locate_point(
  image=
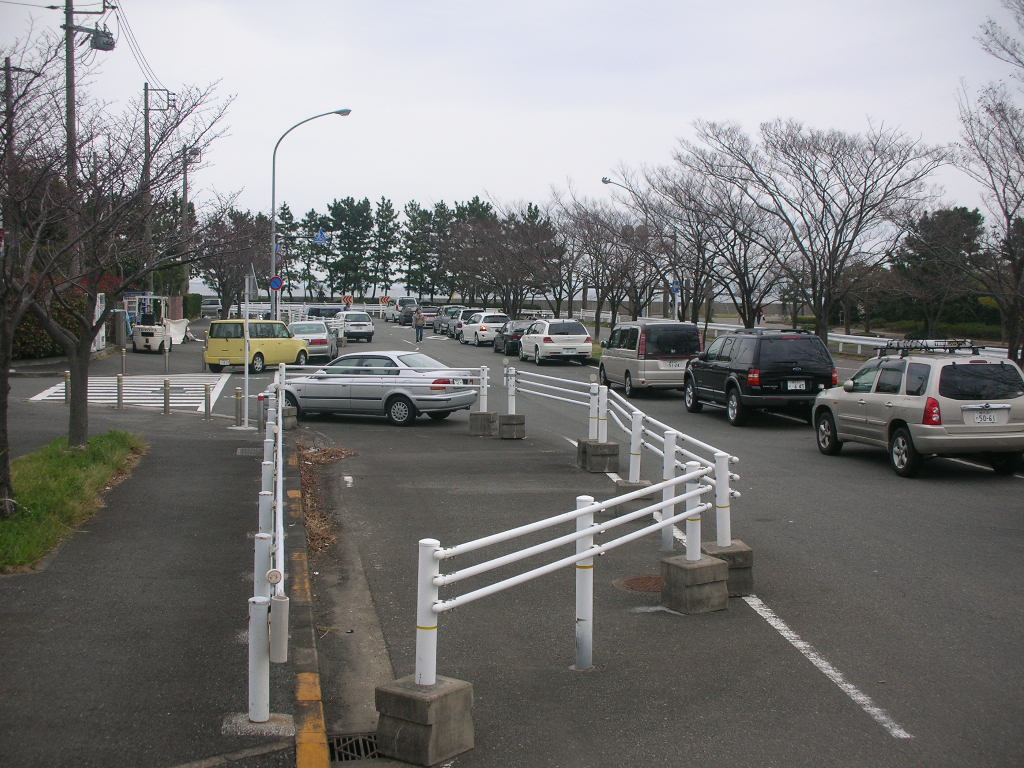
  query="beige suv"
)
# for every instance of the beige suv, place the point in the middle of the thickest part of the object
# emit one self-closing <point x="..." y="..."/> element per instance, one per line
<point x="270" y="343"/>
<point x="648" y="353"/>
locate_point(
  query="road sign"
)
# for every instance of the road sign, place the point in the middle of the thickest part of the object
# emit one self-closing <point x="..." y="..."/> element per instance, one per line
<point x="276" y="283"/>
<point x="385" y="299"/>
<point x="321" y="237"/>
<point x="348" y="299"/>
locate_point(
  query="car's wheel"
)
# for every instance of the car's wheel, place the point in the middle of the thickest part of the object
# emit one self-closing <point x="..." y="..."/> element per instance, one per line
<point x="301" y="358"/>
<point x="476" y="339"/>
<point x="160" y="349"/>
<point x="439" y="415"/>
<point x="290" y="399"/>
<point x="1006" y="463"/>
<point x="583" y="359"/>
<point x="627" y="386"/>
<point x="825" y="433"/>
<point x="401" y="411"/>
<point x="258" y="364"/>
<point x="214" y="368"/>
<point x="461" y="338"/>
<point x="903" y="456"/>
<point x="734" y="409"/>
<point x="693" y="405"/>
<point x="602" y="376"/>
<point x="522" y="353"/>
<point x="494" y="347"/>
<point x="536" y="356"/>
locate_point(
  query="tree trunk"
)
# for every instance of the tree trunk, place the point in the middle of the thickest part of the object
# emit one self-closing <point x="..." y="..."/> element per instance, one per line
<point x="6" y="490"/>
<point x="78" y="412"/>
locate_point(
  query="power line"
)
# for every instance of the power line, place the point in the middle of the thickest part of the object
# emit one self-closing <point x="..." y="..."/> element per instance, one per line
<point x="133" y="44"/>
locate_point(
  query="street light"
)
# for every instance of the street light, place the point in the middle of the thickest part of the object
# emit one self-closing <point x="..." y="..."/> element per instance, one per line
<point x="275" y="306"/>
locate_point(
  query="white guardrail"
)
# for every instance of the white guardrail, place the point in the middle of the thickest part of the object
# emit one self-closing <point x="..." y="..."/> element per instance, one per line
<point x="682" y="465"/>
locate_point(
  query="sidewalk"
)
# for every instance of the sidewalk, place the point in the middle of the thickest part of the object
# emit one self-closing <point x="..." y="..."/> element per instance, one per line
<point x="127" y="647"/>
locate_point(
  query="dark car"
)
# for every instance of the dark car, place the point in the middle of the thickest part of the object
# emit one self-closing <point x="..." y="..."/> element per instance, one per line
<point x="772" y="369"/>
<point x="507" y="339"/>
<point x="405" y="314"/>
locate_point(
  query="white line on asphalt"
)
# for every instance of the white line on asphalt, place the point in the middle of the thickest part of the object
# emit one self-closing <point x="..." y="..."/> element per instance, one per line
<point x="862" y="699"/>
<point x="977" y="465"/>
<point x="349" y="481"/>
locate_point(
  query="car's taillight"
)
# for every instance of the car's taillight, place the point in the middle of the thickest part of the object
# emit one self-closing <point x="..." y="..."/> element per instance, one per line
<point x="589" y="340"/>
<point x="835" y="378"/>
<point x="318" y="341"/>
<point x="642" y="350"/>
<point x="754" y="377"/>
<point x="932" y="413"/>
<point x="547" y="340"/>
<point x="483" y="327"/>
<point x="438" y="382"/>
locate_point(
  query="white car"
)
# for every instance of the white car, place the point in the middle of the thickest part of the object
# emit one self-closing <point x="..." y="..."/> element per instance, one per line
<point x="398" y="384"/>
<point x="481" y="328"/>
<point x="354" y="325"/>
<point x="556" y="340"/>
<point x="323" y="341"/>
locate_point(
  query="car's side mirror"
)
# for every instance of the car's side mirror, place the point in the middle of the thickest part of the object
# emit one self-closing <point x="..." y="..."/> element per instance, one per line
<point x="702" y="356"/>
<point x="604" y="344"/>
<point x="848" y="385"/>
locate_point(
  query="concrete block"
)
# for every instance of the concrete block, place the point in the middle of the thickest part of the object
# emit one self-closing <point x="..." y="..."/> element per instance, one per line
<point x="697" y="586"/>
<point x="424" y="724"/>
<point x="482" y="423"/>
<point x="623" y="487"/>
<point x="511" y="426"/>
<point x="594" y="456"/>
<point x="741" y="565"/>
<point x="289" y="417"/>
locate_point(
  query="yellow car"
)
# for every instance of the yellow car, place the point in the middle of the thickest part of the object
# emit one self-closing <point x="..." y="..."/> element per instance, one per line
<point x="270" y="343"/>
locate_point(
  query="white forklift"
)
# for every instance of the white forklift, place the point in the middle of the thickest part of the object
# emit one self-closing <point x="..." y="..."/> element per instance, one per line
<point x="152" y="330"/>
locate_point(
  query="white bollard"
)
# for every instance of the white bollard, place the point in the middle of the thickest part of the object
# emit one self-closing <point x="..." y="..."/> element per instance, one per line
<point x="268" y="476"/>
<point x="692" y="523"/>
<point x="279" y="629"/>
<point x="584" y="589"/>
<point x="484" y="383"/>
<point x="602" y="414"/>
<point x="668" y="471"/>
<point x="426" y="619"/>
<point x="510" y="377"/>
<point x="636" y="434"/>
<point x="594" y="406"/>
<point x="259" y="660"/>
<point x="262" y="562"/>
<point x="266" y="511"/>
<point x="723" y="511"/>
<point x="268" y="449"/>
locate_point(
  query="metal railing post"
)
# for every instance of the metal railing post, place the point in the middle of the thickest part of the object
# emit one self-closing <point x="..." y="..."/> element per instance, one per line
<point x="238" y="406"/>
<point x="484" y="373"/>
<point x="723" y="510"/>
<point x="207" y="402"/>
<point x="668" y="471"/>
<point x="510" y="378"/>
<point x="267" y="476"/>
<point x="266" y="511"/>
<point x="260" y="414"/>
<point x="268" y="448"/>
<point x="261" y="564"/>
<point x="584" y="589"/>
<point x="279" y="629"/>
<point x="124" y="360"/>
<point x="636" y="436"/>
<point x="259" y="660"/>
<point x="602" y="414"/>
<point x="120" y="392"/>
<point x="593" y="431"/>
<point x="692" y="523"/>
<point x="167" y="396"/>
<point x="426" y="619"/>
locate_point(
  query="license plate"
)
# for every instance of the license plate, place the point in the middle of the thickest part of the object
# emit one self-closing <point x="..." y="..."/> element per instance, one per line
<point x="676" y="364"/>
<point x="794" y="385"/>
<point x="568" y="351"/>
<point x="458" y="381"/>
<point x="225" y="362"/>
<point x="985" y="418"/>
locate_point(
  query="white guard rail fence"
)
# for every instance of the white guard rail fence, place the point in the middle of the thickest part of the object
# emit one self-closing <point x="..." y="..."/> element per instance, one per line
<point x="268" y="607"/>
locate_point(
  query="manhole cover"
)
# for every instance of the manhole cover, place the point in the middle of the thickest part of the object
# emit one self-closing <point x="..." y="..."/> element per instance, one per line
<point x="642" y="584"/>
<point x="353" y="747"/>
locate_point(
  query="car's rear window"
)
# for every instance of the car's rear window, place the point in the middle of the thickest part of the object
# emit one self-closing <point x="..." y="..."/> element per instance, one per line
<point x="419" y="360"/>
<point x="357" y="317"/>
<point x="226" y="331"/>
<point x="981" y="381"/>
<point x="672" y="341"/>
<point x="495" y="319"/>
<point x="308" y="328"/>
<point x="800" y="350"/>
<point x="567" y="329"/>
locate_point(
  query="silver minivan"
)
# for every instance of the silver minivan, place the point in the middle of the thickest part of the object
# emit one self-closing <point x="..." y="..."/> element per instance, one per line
<point x="648" y="353"/>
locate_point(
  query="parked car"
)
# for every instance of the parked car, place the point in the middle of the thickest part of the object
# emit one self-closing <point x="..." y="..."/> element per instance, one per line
<point x="457" y="320"/>
<point x="506" y="340"/>
<point x="405" y="315"/>
<point x="355" y="325"/>
<point x="397" y="384"/>
<point x="270" y="343"/>
<point x="481" y="328"/>
<point x="920" y="399"/>
<point x="429" y="313"/>
<point x="444" y="315"/>
<point x="393" y="309"/>
<point x="322" y="341"/>
<point x="648" y="353"/>
<point x="556" y="340"/>
<point x="773" y="369"/>
<point x="210" y="307"/>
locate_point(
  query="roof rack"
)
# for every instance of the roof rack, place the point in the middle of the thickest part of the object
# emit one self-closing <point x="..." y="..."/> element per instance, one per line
<point x="904" y="346"/>
<point x="772" y="330"/>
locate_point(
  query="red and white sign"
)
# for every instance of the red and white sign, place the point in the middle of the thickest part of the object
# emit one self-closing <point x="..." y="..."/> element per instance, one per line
<point x="348" y="299"/>
<point x="385" y="299"/>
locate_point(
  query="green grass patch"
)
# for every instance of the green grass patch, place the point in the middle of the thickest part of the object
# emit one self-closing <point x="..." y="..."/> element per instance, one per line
<point x="56" y="490"/>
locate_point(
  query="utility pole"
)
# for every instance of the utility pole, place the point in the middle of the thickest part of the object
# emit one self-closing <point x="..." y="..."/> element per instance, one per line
<point x="147" y="195"/>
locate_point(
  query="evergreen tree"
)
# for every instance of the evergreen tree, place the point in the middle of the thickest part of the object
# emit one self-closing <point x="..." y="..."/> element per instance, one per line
<point x="311" y="254"/>
<point x="287" y="229"/>
<point x="384" y="248"/>
<point x="352" y="226"/>
<point x="416" y="247"/>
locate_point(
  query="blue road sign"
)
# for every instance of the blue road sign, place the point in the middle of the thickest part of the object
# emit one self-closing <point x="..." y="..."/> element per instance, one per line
<point x="321" y="237"/>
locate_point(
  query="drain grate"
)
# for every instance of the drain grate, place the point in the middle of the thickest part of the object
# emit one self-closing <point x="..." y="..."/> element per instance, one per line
<point x="648" y="584"/>
<point x="248" y="452"/>
<point x="361" y="746"/>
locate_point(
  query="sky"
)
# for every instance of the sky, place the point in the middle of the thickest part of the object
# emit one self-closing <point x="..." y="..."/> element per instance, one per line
<point x="514" y="100"/>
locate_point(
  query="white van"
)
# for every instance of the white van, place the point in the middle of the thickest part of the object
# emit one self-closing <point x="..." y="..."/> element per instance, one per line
<point x="648" y="353"/>
<point x="393" y="310"/>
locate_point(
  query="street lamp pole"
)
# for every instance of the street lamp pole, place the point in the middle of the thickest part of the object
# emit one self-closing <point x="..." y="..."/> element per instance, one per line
<point x="275" y="305"/>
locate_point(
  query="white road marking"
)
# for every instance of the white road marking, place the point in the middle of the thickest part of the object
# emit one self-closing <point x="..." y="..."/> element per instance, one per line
<point x="148" y="391"/>
<point x="859" y="697"/>
<point x="976" y="465"/>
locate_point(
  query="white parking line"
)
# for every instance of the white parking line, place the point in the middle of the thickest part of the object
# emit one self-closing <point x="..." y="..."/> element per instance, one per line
<point x="862" y="699"/>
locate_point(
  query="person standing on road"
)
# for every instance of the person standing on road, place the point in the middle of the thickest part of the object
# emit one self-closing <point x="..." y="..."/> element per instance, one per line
<point x="418" y="322"/>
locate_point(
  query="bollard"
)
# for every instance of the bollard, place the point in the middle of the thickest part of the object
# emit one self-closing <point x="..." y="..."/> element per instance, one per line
<point x="262" y="563"/>
<point x="259" y="660"/>
<point x="167" y="396"/>
<point x="602" y="414"/>
<point x="266" y="511"/>
<point x="584" y="589"/>
<point x="426" y="619"/>
<point x="124" y="359"/>
<point x="668" y="471"/>
<point x="261" y="414"/>
<point x="238" y="406"/>
<point x="268" y="449"/>
<point x="268" y="476"/>
<point x="279" y="629"/>
<point x="723" y="512"/>
<point x="207" y="402"/>
<point x="67" y="387"/>
<point x="167" y="357"/>
<point x="636" y="434"/>
<point x="593" y="432"/>
<point x="120" y="392"/>
<point x="510" y="377"/>
<point x="483" y="387"/>
<point x="692" y="523"/>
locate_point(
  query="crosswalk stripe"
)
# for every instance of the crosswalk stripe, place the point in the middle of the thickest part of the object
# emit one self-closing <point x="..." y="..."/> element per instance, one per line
<point x="187" y="389"/>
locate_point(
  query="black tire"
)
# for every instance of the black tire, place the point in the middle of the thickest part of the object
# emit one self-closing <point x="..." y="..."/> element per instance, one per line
<point x="494" y="347"/>
<point x="439" y="415"/>
<point x="302" y="358"/>
<point x="825" y="433"/>
<point x="476" y="339"/>
<point x="369" y="338"/>
<point x="258" y="363"/>
<point x="160" y="349"/>
<point x="602" y="376"/>
<point x="214" y="368"/>
<point x="401" y="412"/>
<point x="903" y="456"/>
<point x="536" y="356"/>
<point x="1006" y="463"/>
<point x="522" y="355"/>
<point x="583" y="359"/>
<point x="134" y="348"/>
<point x="290" y="399"/>
<point x="461" y="338"/>
<point x="627" y="386"/>
<point x="734" y="409"/>
<point x="693" y="405"/>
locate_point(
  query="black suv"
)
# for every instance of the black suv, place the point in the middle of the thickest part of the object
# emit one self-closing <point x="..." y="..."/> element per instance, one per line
<point x="767" y="368"/>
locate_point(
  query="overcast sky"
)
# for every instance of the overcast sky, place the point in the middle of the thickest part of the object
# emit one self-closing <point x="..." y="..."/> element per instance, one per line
<point x="454" y="98"/>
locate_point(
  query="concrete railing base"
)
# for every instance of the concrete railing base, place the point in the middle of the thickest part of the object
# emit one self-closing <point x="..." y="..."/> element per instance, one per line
<point x="424" y="724"/>
<point x="595" y="456"/>
<point x="512" y="426"/>
<point x="694" y="586"/>
<point x="483" y="423"/>
<point x="740" y="558"/>
<point x="625" y="486"/>
<point x="289" y="417"/>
